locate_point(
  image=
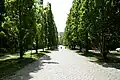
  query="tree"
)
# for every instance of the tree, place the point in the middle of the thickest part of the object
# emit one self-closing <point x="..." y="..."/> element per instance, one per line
<point x="52" y="34"/>
<point x="19" y="19"/>
<point x="26" y="23"/>
<point x="94" y="23"/>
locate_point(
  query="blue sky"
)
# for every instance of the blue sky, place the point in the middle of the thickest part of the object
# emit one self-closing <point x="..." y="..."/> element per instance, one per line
<point x="60" y="9"/>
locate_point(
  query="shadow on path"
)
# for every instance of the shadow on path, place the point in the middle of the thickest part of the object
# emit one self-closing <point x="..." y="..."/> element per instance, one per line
<point x="8" y="67"/>
<point x="113" y="60"/>
<point x="26" y="72"/>
<point x="46" y="51"/>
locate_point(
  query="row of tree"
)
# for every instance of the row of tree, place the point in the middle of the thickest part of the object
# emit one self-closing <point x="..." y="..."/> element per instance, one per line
<point x="27" y="24"/>
<point x="93" y="23"/>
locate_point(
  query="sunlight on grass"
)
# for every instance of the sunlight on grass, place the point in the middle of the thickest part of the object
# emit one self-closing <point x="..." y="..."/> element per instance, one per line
<point x="9" y="57"/>
<point x="12" y="63"/>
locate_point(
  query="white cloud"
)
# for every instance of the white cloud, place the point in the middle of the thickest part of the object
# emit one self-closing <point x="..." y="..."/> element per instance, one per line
<point x="60" y="9"/>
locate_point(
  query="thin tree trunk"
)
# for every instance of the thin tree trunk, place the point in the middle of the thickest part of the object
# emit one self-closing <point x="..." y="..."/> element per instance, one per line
<point x="104" y="50"/>
<point x="43" y="49"/>
<point x="48" y="47"/>
<point x="21" y="50"/>
<point x="80" y="47"/>
<point x="21" y="45"/>
<point x="86" y="43"/>
<point x="37" y="45"/>
<point x="74" y="47"/>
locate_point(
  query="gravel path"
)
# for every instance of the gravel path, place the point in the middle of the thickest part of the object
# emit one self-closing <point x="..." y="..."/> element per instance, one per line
<point x="65" y="65"/>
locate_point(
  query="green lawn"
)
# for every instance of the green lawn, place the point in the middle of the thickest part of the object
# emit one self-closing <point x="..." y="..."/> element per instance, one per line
<point x="11" y="64"/>
<point x="112" y="61"/>
<point x="113" y="57"/>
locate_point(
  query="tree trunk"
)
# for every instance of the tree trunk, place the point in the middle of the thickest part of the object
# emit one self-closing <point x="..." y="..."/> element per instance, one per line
<point x="86" y="43"/>
<point x="43" y="49"/>
<point x="80" y="47"/>
<point x="105" y="55"/>
<point x="21" y="50"/>
<point x="21" y="45"/>
<point x="74" y="47"/>
<point x="48" y="47"/>
<point x="37" y="45"/>
<point x="104" y="50"/>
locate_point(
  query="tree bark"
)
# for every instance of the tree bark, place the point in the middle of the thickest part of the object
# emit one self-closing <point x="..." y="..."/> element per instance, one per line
<point x="80" y="47"/>
<point x="37" y="45"/>
<point x="21" y="38"/>
<point x="104" y="49"/>
<point x="86" y="43"/>
<point x="21" y="50"/>
<point x="43" y="49"/>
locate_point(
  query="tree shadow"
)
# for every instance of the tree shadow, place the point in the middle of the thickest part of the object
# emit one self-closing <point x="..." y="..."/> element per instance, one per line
<point x="78" y="51"/>
<point x="74" y="49"/>
<point x="46" y="51"/>
<point x="4" y="56"/>
<point x="55" y="49"/>
<point x="45" y="57"/>
<point x="9" y="66"/>
<point x="112" y="60"/>
<point x="51" y="62"/>
<point x="23" y="69"/>
<point x="91" y="54"/>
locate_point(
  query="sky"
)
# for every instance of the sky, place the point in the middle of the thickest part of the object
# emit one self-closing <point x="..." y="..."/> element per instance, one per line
<point x="60" y="9"/>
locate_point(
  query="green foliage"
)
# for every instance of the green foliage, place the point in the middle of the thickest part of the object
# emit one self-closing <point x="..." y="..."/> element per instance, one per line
<point x="26" y="22"/>
<point x="50" y="29"/>
<point x="93" y="23"/>
<point x="13" y="63"/>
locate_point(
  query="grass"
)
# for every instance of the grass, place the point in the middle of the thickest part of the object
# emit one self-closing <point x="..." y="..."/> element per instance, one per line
<point x="113" y="59"/>
<point x="11" y="64"/>
<point x="115" y="54"/>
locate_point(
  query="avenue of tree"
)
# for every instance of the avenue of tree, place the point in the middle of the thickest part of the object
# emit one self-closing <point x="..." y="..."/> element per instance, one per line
<point x="93" y="23"/>
<point x="25" y="24"/>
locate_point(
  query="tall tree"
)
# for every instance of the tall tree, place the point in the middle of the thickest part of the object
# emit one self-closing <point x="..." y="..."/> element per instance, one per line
<point x="20" y="21"/>
<point x="52" y="34"/>
<point x="96" y="24"/>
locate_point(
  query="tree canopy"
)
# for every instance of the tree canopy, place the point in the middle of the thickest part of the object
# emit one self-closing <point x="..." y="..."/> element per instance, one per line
<point x="27" y="24"/>
<point x="93" y="23"/>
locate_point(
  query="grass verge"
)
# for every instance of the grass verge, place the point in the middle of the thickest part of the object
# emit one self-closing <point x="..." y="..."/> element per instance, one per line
<point x="113" y="59"/>
<point x="11" y="64"/>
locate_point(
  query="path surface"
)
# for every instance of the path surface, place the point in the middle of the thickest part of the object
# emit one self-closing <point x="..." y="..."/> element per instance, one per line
<point x="65" y="65"/>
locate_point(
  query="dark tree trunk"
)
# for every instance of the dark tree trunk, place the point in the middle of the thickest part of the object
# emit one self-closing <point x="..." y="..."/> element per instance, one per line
<point x="86" y="43"/>
<point x="43" y="49"/>
<point x="104" y="49"/>
<point x="74" y="46"/>
<point x="80" y="45"/>
<point x="21" y="50"/>
<point x="37" y="45"/>
<point x="105" y="55"/>
<point x="48" y="47"/>
<point x="21" y="37"/>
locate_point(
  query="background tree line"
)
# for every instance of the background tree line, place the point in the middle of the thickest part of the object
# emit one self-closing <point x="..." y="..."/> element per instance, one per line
<point x="93" y="24"/>
<point x="25" y="24"/>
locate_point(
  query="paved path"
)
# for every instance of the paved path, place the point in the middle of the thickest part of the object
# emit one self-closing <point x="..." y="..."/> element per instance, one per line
<point x="65" y="65"/>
